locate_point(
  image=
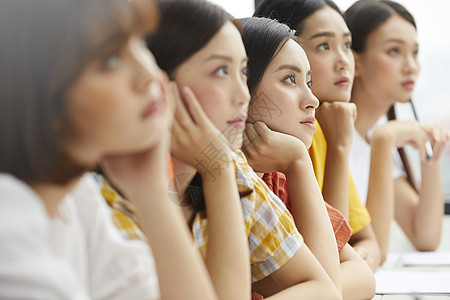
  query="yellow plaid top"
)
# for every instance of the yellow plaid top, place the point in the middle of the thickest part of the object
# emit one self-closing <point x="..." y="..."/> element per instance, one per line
<point x="359" y="216"/>
<point x="122" y="212"/>
<point x="273" y="238"/>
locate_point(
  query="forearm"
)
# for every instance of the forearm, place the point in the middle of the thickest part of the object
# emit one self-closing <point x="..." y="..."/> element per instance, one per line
<point x="311" y="218"/>
<point x="430" y="209"/>
<point x="365" y="242"/>
<point x="380" y="194"/>
<point x="311" y="290"/>
<point x="335" y="185"/>
<point x="358" y="281"/>
<point x="227" y="253"/>
<point x="177" y="260"/>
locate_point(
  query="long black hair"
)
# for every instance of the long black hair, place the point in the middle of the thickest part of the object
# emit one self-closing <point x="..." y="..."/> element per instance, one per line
<point x="263" y="39"/>
<point x="186" y="27"/>
<point x="45" y="46"/>
<point x="362" y="18"/>
<point x="292" y="12"/>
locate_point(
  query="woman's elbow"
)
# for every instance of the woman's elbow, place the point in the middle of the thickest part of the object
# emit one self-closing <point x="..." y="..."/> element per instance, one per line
<point x="427" y="245"/>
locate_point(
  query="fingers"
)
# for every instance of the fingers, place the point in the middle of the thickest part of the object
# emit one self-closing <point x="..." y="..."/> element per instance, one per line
<point x="438" y="136"/>
<point x="261" y="129"/>
<point x="196" y="111"/>
<point x="408" y="132"/>
<point x="246" y="142"/>
<point x="170" y="90"/>
<point x="250" y="132"/>
<point x="182" y="116"/>
<point x="421" y="146"/>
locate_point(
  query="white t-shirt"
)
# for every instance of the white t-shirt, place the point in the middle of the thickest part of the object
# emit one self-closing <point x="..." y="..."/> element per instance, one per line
<point x="78" y="255"/>
<point x="360" y="164"/>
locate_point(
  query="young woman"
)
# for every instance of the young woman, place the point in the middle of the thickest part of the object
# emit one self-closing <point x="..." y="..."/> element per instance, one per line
<point x="200" y="46"/>
<point x="279" y="74"/>
<point x="385" y="47"/>
<point x="84" y="92"/>
<point x="326" y="39"/>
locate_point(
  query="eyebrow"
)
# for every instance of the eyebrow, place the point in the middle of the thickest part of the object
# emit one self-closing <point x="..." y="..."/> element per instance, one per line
<point x="399" y="41"/>
<point x="110" y="43"/>
<point x="328" y="34"/>
<point x="394" y="41"/>
<point x="289" y="67"/>
<point x="224" y="57"/>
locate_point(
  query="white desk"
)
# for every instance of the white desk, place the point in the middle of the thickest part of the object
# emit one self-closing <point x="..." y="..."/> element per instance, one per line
<point x="399" y="247"/>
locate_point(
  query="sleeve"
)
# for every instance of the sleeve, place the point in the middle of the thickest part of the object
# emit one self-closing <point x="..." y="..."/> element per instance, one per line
<point x="119" y="268"/>
<point x="273" y="237"/>
<point x="277" y="183"/>
<point x="28" y="267"/>
<point x="359" y="216"/>
<point x="342" y="230"/>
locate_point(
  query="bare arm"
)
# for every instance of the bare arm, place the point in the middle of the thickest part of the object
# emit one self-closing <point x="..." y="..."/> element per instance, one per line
<point x="337" y="121"/>
<point x="420" y="214"/>
<point x="227" y="252"/>
<point x="358" y="281"/>
<point x="311" y="217"/>
<point x="380" y="194"/>
<point x="177" y="260"/>
<point x="365" y="243"/>
<point x="274" y="151"/>
<point x="301" y="277"/>
<point x="143" y="177"/>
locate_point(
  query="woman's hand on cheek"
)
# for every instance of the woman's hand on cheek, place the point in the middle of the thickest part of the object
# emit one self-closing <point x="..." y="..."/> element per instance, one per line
<point x="270" y="151"/>
<point x="195" y="139"/>
<point x="337" y="121"/>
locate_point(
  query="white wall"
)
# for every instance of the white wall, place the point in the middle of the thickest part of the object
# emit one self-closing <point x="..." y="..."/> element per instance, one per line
<point x="238" y="8"/>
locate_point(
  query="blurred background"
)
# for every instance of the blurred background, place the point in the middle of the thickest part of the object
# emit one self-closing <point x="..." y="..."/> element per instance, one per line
<point x="432" y="92"/>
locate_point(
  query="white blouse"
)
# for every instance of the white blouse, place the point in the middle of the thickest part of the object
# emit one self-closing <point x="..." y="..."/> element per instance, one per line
<point x="78" y="255"/>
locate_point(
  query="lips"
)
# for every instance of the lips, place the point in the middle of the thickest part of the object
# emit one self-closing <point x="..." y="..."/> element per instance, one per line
<point x="309" y="122"/>
<point x="343" y="82"/>
<point x="408" y="85"/>
<point x="238" y="122"/>
<point x="153" y="108"/>
<point x="156" y="103"/>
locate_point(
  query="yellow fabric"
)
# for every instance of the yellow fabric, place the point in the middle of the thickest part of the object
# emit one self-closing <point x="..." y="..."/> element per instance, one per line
<point x="122" y="212"/>
<point x="273" y="238"/>
<point x="358" y="214"/>
<point x="272" y="235"/>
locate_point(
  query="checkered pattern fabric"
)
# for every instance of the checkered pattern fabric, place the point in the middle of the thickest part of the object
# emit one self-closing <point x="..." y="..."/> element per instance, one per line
<point x="272" y="236"/>
<point x="122" y="212"/>
<point x="342" y="231"/>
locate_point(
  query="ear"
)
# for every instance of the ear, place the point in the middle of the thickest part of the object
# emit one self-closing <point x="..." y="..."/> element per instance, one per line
<point x="357" y="63"/>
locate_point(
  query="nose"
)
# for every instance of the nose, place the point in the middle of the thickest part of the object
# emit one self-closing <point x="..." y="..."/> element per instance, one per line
<point x="241" y="96"/>
<point x="343" y="59"/>
<point x="310" y="102"/>
<point x="146" y="68"/>
<point x="411" y="64"/>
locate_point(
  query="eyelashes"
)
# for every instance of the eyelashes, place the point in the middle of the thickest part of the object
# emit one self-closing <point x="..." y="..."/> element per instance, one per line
<point x="291" y="79"/>
<point x="223" y="71"/>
